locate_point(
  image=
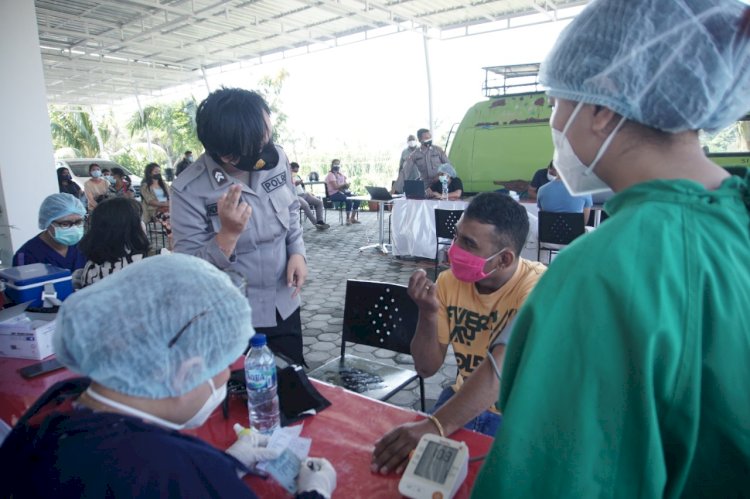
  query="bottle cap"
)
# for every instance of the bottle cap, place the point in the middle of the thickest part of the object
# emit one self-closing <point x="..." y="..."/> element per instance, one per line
<point x="258" y="340"/>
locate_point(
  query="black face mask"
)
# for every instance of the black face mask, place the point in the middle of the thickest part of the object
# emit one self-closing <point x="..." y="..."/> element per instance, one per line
<point x="156" y="177"/>
<point x="427" y="143"/>
<point x="335" y="168"/>
<point x="266" y="160"/>
<point x="65" y="176"/>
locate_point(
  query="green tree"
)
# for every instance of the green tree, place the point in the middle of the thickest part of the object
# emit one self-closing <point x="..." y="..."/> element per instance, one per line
<point x="270" y="88"/>
<point x="171" y="126"/>
<point x="76" y="130"/>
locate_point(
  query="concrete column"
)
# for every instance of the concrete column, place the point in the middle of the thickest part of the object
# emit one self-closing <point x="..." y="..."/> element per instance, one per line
<point x="27" y="163"/>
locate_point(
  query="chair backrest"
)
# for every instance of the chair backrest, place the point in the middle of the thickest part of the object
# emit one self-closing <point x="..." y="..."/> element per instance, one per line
<point x="379" y="314"/>
<point x="445" y="222"/>
<point x="560" y="228"/>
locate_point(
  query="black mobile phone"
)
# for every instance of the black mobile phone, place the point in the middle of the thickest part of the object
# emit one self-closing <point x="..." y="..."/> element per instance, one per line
<point x="40" y="368"/>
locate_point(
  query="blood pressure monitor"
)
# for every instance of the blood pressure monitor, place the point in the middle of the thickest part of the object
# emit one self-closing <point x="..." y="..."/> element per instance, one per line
<point x="436" y="470"/>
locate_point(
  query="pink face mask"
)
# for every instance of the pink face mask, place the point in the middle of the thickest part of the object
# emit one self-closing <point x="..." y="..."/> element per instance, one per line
<point x="466" y="266"/>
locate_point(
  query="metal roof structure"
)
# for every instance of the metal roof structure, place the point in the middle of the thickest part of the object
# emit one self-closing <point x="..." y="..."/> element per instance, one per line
<point x="98" y="52"/>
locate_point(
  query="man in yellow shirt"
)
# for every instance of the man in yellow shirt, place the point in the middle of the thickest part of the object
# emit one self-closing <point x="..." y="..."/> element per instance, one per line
<point x="470" y="308"/>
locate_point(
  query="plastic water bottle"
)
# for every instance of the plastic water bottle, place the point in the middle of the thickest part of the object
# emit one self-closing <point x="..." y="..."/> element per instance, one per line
<point x="260" y="379"/>
<point x="444" y="181"/>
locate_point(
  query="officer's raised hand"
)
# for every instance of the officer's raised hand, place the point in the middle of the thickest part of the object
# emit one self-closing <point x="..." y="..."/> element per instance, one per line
<point x="233" y="215"/>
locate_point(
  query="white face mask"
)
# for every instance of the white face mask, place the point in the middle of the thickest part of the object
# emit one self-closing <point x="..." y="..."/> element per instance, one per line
<point x="200" y="417"/>
<point x="551" y="177"/>
<point x="413" y="143"/>
<point x="579" y="178"/>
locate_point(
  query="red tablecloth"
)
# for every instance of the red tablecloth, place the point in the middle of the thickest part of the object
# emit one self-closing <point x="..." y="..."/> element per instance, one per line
<point x="344" y="433"/>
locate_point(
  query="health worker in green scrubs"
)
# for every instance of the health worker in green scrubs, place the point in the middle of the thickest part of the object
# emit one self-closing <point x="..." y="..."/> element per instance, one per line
<point x="628" y="370"/>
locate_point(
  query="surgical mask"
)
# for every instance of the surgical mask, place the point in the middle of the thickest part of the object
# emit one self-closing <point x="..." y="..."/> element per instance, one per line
<point x="427" y="143"/>
<point x="156" y="177"/>
<point x="443" y="178"/>
<point x="412" y="143"/>
<point x="335" y="168"/>
<point x="96" y="173"/>
<point x="190" y="158"/>
<point x="266" y="159"/>
<point x="551" y="177"/>
<point x="110" y="179"/>
<point x="200" y="417"/>
<point x="466" y="266"/>
<point x="579" y="178"/>
<point x="68" y="235"/>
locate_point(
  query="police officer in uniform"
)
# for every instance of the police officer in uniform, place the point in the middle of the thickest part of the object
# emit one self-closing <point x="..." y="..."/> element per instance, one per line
<point x="236" y="208"/>
<point x="423" y="163"/>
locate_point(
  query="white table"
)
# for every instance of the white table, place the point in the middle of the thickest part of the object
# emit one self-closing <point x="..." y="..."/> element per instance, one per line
<point x="380" y="245"/>
<point x="413" y="226"/>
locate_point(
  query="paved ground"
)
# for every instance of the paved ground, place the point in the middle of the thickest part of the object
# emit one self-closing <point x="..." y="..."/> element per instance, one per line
<point x="333" y="257"/>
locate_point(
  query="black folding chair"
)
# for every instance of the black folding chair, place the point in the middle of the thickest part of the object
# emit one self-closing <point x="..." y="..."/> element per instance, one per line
<point x="557" y="230"/>
<point x="377" y="314"/>
<point x="445" y="228"/>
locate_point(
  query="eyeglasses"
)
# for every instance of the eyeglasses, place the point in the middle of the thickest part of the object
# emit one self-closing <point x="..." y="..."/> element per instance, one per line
<point x="67" y="225"/>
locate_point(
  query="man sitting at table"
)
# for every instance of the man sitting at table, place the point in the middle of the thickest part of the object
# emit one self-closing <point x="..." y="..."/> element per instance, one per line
<point x="153" y="374"/>
<point x="470" y="307"/>
<point x="446" y="174"/>
<point x="541" y="177"/>
<point x="554" y="197"/>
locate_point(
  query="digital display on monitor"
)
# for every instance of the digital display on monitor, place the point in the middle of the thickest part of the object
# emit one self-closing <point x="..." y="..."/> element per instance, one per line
<point x="436" y="462"/>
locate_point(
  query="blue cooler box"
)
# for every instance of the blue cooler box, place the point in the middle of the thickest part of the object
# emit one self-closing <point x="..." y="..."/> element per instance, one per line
<point x="26" y="283"/>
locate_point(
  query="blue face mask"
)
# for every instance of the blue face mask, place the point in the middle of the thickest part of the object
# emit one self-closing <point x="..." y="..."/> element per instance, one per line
<point x="68" y="236"/>
<point x="96" y="173"/>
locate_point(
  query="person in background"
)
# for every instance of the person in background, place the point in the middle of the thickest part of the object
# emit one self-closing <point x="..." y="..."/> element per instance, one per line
<point x="469" y="308"/>
<point x="186" y="160"/>
<point x="155" y="198"/>
<point x="107" y="175"/>
<point x="626" y="374"/>
<point x="115" y="239"/>
<point x="96" y="188"/>
<point x="337" y="188"/>
<point x="541" y="177"/>
<point x="66" y="184"/>
<point x="447" y="174"/>
<point x="554" y="197"/>
<point x="236" y="207"/>
<point x="423" y="162"/>
<point x="306" y="199"/>
<point x="411" y="146"/>
<point x="61" y="221"/>
<point x="152" y="369"/>
<point x="122" y="185"/>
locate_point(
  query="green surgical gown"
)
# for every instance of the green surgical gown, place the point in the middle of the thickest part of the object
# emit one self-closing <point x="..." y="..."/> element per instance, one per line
<point x="628" y="372"/>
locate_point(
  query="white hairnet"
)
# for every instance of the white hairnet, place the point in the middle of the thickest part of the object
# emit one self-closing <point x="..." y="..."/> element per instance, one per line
<point x="673" y="65"/>
<point x="447" y="169"/>
<point x="156" y="329"/>
<point x="58" y="206"/>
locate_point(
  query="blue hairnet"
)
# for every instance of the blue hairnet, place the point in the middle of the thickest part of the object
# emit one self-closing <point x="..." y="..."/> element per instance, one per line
<point x="447" y="169"/>
<point x="119" y="331"/>
<point x="673" y="65"/>
<point x="58" y="206"/>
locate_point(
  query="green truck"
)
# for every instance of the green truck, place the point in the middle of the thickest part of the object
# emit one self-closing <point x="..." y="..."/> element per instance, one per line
<point x="503" y="140"/>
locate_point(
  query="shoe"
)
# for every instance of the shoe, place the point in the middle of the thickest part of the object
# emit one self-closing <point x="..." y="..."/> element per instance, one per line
<point x="355" y="221"/>
<point x="348" y="222"/>
<point x="321" y="226"/>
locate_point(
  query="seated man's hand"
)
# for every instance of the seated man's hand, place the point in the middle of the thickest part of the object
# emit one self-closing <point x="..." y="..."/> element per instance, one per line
<point x="423" y="291"/>
<point x="392" y="450"/>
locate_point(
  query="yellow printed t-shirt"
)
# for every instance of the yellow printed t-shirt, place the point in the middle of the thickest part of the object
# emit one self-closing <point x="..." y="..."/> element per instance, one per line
<point x="470" y="321"/>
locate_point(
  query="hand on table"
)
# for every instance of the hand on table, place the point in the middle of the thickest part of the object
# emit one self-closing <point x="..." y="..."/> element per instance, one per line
<point x="296" y="273"/>
<point x="250" y="447"/>
<point x="423" y="291"/>
<point x="317" y="474"/>
<point x="392" y="450"/>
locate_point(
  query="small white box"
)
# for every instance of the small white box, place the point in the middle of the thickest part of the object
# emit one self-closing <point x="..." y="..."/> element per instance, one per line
<point x="26" y="335"/>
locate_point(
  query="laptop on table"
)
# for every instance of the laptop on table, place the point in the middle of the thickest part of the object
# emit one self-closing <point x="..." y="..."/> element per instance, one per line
<point x="379" y="193"/>
<point x="414" y="189"/>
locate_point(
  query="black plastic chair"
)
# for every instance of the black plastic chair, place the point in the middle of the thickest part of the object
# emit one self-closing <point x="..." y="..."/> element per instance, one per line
<point x="157" y="236"/>
<point x="380" y="315"/>
<point x="329" y="204"/>
<point x="445" y="228"/>
<point x="557" y="230"/>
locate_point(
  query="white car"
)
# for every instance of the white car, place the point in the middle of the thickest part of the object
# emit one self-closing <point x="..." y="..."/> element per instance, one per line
<point x="79" y="170"/>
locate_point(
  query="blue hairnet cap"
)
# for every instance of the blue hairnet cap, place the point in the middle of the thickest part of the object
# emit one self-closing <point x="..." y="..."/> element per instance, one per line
<point x="58" y="206"/>
<point x="447" y="169"/>
<point x="156" y="329"/>
<point x="673" y="65"/>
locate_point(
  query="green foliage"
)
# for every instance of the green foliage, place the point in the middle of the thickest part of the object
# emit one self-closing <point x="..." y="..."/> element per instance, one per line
<point x="75" y="130"/>
<point x="171" y="126"/>
<point x="270" y="87"/>
<point x="734" y="138"/>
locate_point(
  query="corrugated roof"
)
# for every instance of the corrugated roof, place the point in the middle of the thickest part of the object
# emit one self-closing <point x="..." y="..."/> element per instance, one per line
<point x="97" y="52"/>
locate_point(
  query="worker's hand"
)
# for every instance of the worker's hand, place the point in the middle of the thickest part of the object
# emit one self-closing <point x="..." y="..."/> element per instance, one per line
<point x="317" y="474"/>
<point x="250" y="447"/>
<point x="392" y="450"/>
<point x="423" y="291"/>
<point x="296" y="273"/>
<point x="233" y="212"/>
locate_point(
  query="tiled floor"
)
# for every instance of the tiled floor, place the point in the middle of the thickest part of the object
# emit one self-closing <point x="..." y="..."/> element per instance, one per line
<point x="333" y="256"/>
